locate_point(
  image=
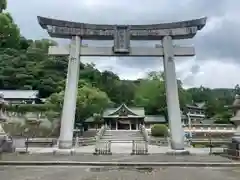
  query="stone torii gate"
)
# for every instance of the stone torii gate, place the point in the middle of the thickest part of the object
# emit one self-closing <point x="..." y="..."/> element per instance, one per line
<point x="121" y="36"/>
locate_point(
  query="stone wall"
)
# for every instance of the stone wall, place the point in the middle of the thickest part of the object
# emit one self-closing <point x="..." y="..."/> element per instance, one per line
<point x="17" y="125"/>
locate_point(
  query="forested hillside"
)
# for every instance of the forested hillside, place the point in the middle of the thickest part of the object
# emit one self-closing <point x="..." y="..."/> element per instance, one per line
<point x="24" y="64"/>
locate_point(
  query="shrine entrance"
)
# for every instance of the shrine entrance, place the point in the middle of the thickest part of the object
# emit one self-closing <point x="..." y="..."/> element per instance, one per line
<point x="123" y="124"/>
<point x="121" y="35"/>
<point x="124" y="117"/>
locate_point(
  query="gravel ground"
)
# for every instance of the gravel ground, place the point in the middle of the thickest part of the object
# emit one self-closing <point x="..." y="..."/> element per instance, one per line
<point x="114" y="157"/>
<point x="104" y="173"/>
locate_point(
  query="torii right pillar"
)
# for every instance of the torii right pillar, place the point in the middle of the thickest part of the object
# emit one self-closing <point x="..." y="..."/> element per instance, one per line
<point x="174" y="114"/>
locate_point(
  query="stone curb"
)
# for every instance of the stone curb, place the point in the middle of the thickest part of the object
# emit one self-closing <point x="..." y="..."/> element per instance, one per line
<point x="119" y="164"/>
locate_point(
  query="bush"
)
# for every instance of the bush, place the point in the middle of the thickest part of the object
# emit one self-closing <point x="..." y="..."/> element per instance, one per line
<point x="159" y="130"/>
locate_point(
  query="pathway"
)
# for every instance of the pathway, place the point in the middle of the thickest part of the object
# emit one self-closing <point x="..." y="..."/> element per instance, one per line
<point x="124" y="148"/>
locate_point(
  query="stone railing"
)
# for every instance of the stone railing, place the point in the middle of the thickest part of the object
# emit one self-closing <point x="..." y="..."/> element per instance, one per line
<point x="211" y="126"/>
<point x="144" y="132"/>
<point x="101" y="132"/>
<point x="103" y="148"/>
<point x="139" y="147"/>
<point x="84" y="141"/>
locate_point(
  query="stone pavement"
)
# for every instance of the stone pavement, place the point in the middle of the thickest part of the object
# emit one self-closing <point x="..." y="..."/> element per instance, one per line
<point x="114" y="158"/>
<point x="109" y="173"/>
<point x="121" y="148"/>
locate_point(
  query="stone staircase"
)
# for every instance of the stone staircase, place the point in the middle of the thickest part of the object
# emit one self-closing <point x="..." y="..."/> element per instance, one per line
<point x="121" y="141"/>
<point x="122" y="136"/>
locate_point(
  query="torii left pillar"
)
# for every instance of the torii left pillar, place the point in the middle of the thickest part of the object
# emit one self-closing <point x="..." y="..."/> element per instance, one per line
<point x="70" y="97"/>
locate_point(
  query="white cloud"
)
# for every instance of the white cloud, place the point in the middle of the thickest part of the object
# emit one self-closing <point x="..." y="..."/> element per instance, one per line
<point x="211" y="43"/>
<point x="217" y="74"/>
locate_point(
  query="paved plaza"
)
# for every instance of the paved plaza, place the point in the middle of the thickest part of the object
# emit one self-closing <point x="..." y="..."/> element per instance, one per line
<point x="108" y="173"/>
<point x="114" y="158"/>
<point x="119" y="148"/>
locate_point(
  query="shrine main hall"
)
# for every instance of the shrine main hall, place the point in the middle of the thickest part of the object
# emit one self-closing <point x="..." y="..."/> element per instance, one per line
<point x="125" y="118"/>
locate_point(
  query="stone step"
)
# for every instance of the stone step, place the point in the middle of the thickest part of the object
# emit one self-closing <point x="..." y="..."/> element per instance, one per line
<point x="111" y="135"/>
<point x="122" y="132"/>
<point x="116" y="137"/>
<point x="122" y="135"/>
<point x="140" y="139"/>
<point x="118" y="141"/>
<point x="124" y="138"/>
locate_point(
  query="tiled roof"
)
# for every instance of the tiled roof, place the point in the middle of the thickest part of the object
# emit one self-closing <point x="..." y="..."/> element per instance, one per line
<point x="207" y="121"/>
<point x="90" y="119"/>
<point x="148" y="118"/>
<point x="19" y="94"/>
<point x="138" y="111"/>
<point x="195" y="106"/>
<point x="155" y="119"/>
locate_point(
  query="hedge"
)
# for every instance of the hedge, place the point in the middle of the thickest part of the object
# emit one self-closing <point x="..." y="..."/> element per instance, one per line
<point x="159" y="130"/>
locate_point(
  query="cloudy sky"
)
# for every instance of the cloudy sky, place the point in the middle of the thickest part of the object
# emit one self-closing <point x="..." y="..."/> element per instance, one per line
<point x="216" y="64"/>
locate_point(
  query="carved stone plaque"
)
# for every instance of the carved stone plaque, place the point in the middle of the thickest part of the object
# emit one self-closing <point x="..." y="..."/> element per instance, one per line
<point x="121" y="40"/>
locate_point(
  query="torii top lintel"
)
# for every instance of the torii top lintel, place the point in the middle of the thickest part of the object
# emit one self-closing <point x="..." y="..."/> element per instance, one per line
<point x="67" y="29"/>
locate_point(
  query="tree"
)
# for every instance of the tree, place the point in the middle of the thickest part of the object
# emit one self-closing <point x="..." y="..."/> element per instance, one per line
<point x="97" y="119"/>
<point x="150" y="94"/>
<point x="9" y="32"/>
<point x="90" y="100"/>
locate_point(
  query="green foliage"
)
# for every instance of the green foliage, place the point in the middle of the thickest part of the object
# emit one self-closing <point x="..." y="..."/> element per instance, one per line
<point x="222" y="121"/>
<point x="90" y="100"/>
<point x="159" y="130"/>
<point x="9" y="32"/>
<point x="150" y="94"/>
<point x="23" y="108"/>
<point x="223" y="117"/>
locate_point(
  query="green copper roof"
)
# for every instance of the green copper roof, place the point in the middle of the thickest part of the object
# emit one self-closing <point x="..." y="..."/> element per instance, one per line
<point x="147" y="119"/>
<point x="124" y="110"/>
<point x="154" y="119"/>
<point x="90" y="119"/>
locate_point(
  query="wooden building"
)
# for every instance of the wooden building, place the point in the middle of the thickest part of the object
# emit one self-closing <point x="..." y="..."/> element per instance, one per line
<point x="125" y="118"/>
<point x="20" y="96"/>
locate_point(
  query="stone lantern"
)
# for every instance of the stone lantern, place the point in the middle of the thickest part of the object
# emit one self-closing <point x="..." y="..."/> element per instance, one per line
<point x="3" y="118"/>
<point x="233" y="149"/>
<point x="6" y="142"/>
<point x="236" y="118"/>
<point x="32" y="120"/>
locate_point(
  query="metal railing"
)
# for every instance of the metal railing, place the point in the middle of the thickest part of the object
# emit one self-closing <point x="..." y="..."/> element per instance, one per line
<point x="103" y="148"/>
<point x="40" y="142"/>
<point x="231" y="153"/>
<point x="208" y="142"/>
<point x="139" y="147"/>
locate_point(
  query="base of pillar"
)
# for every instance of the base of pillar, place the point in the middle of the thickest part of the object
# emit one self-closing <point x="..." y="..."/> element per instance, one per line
<point x="64" y="151"/>
<point x="178" y="152"/>
<point x="65" y="144"/>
